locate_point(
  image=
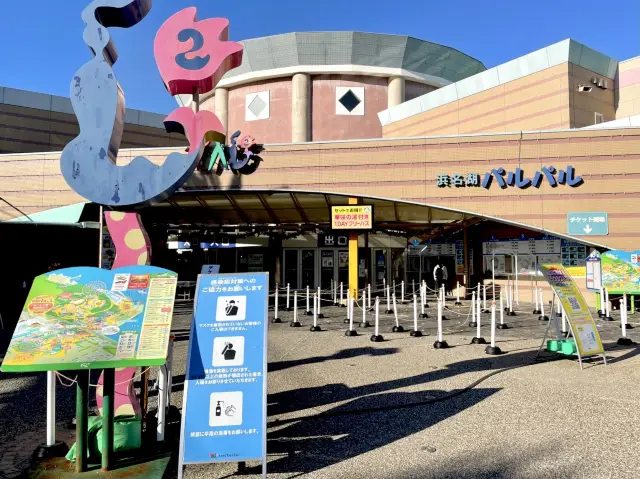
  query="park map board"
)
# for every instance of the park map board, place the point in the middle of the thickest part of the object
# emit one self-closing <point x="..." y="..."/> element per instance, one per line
<point x="90" y="318"/>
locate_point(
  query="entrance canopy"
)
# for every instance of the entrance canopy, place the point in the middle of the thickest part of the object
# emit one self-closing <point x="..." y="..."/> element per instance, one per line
<point x="295" y="210"/>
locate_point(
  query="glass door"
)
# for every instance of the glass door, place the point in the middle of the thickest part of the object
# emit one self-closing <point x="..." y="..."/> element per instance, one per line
<point x="291" y="268"/>
<point x="380" y="259"/>
<point x="343" y="268"/>
<point x="327" y="268"/>
<point x="308" y="268"/>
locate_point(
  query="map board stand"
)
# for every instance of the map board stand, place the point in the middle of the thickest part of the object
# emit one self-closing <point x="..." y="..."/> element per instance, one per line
<point x="582" y="327"/>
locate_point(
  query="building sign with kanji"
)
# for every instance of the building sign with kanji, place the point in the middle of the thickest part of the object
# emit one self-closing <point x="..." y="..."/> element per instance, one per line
<point x="515" y="178"/>
<point x="352" y="217"/>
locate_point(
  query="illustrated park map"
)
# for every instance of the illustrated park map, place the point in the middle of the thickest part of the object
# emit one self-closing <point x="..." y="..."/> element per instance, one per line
<point x="77" y="318"/>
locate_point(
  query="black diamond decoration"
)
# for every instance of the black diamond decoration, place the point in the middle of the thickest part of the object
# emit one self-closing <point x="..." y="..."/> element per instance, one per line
<point x="349" y="100"/>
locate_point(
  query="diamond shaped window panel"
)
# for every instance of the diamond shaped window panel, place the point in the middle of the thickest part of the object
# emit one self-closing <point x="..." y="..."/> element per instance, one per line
<point x="257" y="106"/>
<point x="350" y="101"/>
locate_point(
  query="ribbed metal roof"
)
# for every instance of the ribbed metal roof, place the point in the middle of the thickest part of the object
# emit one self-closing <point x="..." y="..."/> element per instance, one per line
<point x="355" y="48"/>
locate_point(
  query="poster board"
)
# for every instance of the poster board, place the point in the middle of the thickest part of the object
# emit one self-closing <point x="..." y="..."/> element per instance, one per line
<point x="91" y="318"/>
<point x="583" y="326"/>
<point x="594" y="271"/>
<point x="621" y="272"/>
<point x="225" y="396"/>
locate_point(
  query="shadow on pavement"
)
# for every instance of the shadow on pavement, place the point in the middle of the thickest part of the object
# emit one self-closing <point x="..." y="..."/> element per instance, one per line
<point x="343" y="354"/>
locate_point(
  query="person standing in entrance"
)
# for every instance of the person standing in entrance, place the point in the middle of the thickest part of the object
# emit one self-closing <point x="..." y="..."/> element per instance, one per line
<point x="440" y="274"/>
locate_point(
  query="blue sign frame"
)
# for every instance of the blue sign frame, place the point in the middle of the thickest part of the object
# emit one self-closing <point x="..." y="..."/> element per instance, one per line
<point x="588" y="224"/>
<point x="224" y="416"/>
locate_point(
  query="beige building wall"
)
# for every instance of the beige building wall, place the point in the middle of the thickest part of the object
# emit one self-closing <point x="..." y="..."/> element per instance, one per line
<point x="406" y="170"/>
<point x="627" y="93"/>
<point x="585" y="105"/>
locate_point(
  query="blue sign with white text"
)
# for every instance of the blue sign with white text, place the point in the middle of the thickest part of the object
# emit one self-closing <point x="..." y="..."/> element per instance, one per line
<point x="587" y="224"/>
<point x="224" y="416"/>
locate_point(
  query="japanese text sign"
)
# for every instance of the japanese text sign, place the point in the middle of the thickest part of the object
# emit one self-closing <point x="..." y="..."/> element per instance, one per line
<point x="594" y="271"/>
<point x="224" y="417"/>
<point x="515" y="178"/>
<point x="584" y="328"/>
<point x="352" y="217"/>
<point x="588" y="224"/>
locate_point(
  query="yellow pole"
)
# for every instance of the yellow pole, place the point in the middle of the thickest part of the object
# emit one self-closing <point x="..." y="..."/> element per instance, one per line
<point x="353" y="259"/>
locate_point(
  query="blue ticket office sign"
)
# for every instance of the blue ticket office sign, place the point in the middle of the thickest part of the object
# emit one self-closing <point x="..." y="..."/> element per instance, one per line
<point x="224" y="417"/>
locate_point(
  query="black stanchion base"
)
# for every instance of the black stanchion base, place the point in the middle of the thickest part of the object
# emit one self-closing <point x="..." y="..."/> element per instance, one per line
<point x="558" y="315"/>
<point x="397" y="329"/>
<point x="628" y="326"/>
<point x="320" y="316"/>
<point x="543" y="318"/>
<point x="493" y="350"/>
<point x="564" y="334"/>
<point x="502" y="326"/>
<point x="365" y="324"/>
<point x="350" y="332"/>
<point x="315" y="328"/>
<point x="426" y="306"/>
<point x="346" y="321"/>
<point x="473" y="324"/>
<point x="625" y="342"/>
<point x="600" y="313"/>
<point x="507" y="309"/>
<point x="478" y="341"/>
<point x="308" y="313"/>
<point x="608" y="318"/>
<point x="276" y="320"/>
<point x="486" y="311"/>
<point x="376" y="338"/>
<point x="457" y="303"/>
<point x="444" y="318"/>
<point x="343" y="305"/>
<point x="295" y="324"/>
<point x="537" y="311"/>
<point x="440" y="345"/>
<point x="511" y="313"/>
<point x="415" y="334"/>
<point x="59" y="449"/>
<point x="388" y="311"/>
<point x="424" y="315"/>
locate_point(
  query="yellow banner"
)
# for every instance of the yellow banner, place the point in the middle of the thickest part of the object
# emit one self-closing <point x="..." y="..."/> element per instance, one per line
<point x="352" y="217"/>
<point x="584" y="327"/>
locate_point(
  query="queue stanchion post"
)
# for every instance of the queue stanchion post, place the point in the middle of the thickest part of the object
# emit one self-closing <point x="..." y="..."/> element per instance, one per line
<point x="478" y="339"/>
<point x="320" y="315"/>
<point x="349" y="318"/>
<point x="423" y="294"/>
<point x="424" y="289"/>
<point x="276" y="319"/>
<point x="316" y="304"/>
<point x="364" y="323"/>
<point x="458" y="302"/>
<point x="342" y="295"/>
<point x="484" y="298"/>
<point x="413" y="286"/>
<point x="601" y="311"/>
<point x="565" y="331"/>
<point x="502" y="324"/>
<point x="624" y="340"/>
<point x="389" y="311"/>
<point x="368" y="296"/>
<point x="377" y="337"/>
<point x="492" y="349"/>
<point x="398" y="327"/>
<point x="295" y="323"/>
<point x="288" y="304"/>
<point x="415" y="333"/>
<point x="402" y="292"/>
<point x="558" y="306"/>
<point x="536" y="308"/>
<point x="473" y="322"/>
<point x="308" y="310"/>
<point x="607" y="305"/>
<point x="334" y="290"/>
<point x="543" y="316"/>
<point x="350" y="331"/>
<point x="511" y="312"/>
<point x="626" y="313"/>
<point x="444" y="302"/>
<point x="440" y="343"/>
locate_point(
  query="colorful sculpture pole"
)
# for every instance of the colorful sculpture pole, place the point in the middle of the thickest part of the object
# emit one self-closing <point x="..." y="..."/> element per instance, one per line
<point x="192" y="57"/>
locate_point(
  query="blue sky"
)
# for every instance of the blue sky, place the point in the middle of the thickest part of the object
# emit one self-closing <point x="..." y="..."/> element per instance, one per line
<point x="41" y="40"/>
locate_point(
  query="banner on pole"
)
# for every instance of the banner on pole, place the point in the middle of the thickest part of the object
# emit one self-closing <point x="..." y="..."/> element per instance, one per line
<point x="224" y="416"/>
<point x="584" y="328"/>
